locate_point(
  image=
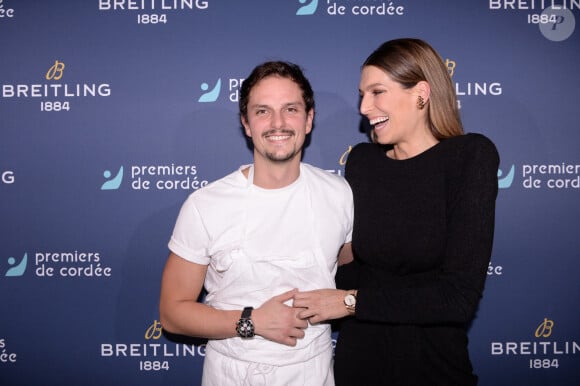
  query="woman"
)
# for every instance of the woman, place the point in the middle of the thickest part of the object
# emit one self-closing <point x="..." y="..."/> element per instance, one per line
<point x="424" y="196"/>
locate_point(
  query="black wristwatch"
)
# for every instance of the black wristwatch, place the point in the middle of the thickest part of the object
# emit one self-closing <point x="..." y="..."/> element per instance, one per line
<point x="245" y="326"/>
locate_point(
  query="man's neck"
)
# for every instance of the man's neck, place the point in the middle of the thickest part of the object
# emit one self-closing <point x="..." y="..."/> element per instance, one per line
<point x="275" y="175"/>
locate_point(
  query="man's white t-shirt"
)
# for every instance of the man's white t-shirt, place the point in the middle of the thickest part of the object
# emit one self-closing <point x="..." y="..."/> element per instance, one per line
<point x="259" y="243"/>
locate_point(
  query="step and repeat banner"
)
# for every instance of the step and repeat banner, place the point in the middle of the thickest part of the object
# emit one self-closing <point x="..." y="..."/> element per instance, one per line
<point x="113" y="111"/>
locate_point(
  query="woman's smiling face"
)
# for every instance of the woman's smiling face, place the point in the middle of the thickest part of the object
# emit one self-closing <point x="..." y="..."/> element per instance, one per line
<point x="390" y="108"/>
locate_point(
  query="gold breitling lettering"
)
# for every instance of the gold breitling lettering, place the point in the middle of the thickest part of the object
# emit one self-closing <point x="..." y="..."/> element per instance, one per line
<point x="450" y="64"/>
<point x="55" y="72"/>
<point x="544" y="330"/>
<point x="154" y="331"/>
<point x="344" y="156"/>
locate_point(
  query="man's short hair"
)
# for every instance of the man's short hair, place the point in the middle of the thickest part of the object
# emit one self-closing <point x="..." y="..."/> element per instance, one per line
<point x="275" y="68"/>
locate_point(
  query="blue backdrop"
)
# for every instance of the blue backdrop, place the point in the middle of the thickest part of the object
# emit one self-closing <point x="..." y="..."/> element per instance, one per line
<point x="113" y="111"/>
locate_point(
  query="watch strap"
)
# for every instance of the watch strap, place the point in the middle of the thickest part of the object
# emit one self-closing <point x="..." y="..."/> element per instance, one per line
<point x="247" y="312"/>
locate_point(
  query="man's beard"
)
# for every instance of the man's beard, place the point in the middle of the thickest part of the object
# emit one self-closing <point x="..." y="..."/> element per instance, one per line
<point x="280" y="158"/>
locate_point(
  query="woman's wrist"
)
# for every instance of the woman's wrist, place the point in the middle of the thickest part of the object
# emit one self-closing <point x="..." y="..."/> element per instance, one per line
<point x="350" y="301"/>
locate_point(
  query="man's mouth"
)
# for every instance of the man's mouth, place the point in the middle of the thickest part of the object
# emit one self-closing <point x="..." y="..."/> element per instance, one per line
<point x="278" y="135"/>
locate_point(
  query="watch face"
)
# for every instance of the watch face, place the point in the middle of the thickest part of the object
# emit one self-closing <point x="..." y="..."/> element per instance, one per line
<point x="350" y="300"/>
<point x="245" y="328"/>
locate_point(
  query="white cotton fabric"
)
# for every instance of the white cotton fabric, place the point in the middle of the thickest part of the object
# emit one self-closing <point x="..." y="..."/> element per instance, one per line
<point x="316" y="371"/>
<point x="262" y="242"/>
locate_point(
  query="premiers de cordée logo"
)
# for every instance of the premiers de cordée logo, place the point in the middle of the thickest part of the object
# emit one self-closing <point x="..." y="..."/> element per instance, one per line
<point x="76" y="264"/>
<point x="155" y="177"/>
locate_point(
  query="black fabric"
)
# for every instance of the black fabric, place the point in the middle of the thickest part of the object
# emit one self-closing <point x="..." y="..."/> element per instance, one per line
<point x="423" y="233"/>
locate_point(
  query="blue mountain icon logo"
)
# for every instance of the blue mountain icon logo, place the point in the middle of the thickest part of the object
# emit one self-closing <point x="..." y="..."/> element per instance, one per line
<point x="505" y="182"/>
<point x="307" y="9"/>
<point x="213" y="94"/>
<point x="112" y="183"/>
<point x="17" y="269"/>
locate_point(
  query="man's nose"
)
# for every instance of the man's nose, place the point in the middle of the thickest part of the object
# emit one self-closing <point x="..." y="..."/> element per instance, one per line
<point x="277" y="119"/>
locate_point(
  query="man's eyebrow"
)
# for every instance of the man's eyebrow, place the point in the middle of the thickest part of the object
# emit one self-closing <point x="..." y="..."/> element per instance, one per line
<point x="296" y="103"/>
<point x="255" y="106"/>
<point x="266" y="106"/>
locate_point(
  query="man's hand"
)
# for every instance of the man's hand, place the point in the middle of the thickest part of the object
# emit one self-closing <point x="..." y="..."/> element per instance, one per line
<point x="278" y="322"/>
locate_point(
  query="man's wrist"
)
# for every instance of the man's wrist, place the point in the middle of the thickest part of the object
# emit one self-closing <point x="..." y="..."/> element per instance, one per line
<point x="245" y="325"/>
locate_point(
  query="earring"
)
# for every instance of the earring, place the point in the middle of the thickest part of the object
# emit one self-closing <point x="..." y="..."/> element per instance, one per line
<point x="420" y="102"/>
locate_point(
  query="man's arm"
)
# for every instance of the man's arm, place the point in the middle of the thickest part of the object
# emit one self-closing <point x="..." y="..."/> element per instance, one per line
<point x="181" y="313"/>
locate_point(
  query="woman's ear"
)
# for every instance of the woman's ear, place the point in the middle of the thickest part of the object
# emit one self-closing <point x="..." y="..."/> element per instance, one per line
<point x="423" y="89"/>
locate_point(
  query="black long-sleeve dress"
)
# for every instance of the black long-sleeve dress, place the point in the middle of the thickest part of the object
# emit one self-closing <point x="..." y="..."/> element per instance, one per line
<point x="423" y="234"/>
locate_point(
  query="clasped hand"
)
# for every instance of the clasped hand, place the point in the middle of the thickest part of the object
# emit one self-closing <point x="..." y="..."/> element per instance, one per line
<point x="278" y="322"/>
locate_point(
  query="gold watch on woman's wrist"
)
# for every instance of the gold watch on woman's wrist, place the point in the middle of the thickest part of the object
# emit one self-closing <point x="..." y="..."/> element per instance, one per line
<point x="350" y="302"/>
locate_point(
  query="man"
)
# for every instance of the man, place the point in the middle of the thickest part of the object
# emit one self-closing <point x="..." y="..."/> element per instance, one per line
<point x="255" y="237"/>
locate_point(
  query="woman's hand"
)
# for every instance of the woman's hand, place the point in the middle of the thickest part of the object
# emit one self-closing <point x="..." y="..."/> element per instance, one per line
<point x="320" y="305"/>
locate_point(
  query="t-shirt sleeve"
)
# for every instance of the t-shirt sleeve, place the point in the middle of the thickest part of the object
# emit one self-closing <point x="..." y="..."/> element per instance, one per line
<point x="190" y="239"/>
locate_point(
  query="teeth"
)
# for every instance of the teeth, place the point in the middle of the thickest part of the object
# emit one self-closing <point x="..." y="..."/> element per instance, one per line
<point x="379" y="120"/>
<point x="278" y="137"/>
